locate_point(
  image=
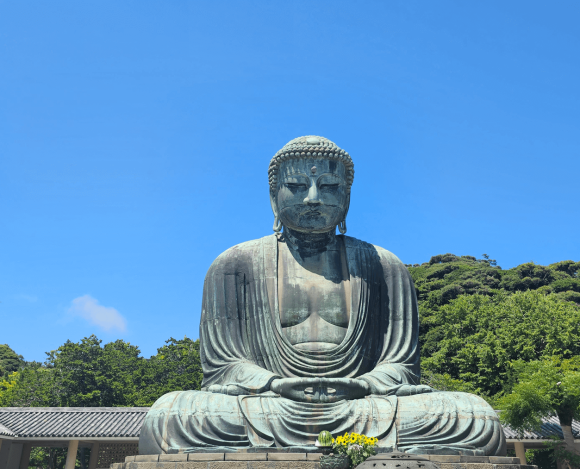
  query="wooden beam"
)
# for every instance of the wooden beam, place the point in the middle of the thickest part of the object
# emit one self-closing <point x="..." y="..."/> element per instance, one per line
<point x="94" y="455"/>
<point x="520" y="451"/>
<point x="71" y="455"/>
<point x="4" y="453"/>
<point x="25" y="456"/>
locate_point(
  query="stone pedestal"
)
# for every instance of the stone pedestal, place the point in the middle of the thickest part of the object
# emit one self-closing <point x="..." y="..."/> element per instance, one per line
<point x="285" y="460"/>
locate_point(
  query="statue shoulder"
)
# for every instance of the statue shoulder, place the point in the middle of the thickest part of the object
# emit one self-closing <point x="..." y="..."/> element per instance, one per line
<point x="385" y="256"/>
<point x="242" y="255"/>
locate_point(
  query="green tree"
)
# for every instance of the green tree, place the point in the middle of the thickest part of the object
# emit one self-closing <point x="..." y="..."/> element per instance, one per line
<point x="31" y="387"/>
<point x="543" y="388"/>
<point x="86" y="374"/>
<point x="82" y="374"/>
<point x="175" y="367"/>
<point x="10" y="361"/>
<point x="475" y="338"/>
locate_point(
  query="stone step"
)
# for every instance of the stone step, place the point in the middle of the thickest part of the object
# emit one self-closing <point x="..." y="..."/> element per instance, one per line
<point x="282" y="460"/>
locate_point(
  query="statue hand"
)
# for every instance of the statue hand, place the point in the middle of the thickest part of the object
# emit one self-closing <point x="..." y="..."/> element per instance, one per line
<point x="320" y="389"/>
<point x="410" y="390"/>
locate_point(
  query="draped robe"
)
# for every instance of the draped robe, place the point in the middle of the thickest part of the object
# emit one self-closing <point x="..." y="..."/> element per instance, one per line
<point x="242" y="345"/>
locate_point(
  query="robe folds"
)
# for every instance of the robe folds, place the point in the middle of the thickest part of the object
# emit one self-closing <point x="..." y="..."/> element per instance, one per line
<point x="243" y="347"/>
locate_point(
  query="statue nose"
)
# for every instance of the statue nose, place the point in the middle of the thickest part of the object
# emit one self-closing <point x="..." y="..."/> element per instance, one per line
<point x="313" y="197"/>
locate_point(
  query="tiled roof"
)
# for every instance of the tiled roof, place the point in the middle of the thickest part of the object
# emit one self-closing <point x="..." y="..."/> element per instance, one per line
<point x="125" y="422"/>
<point x="5" y="431"/>
<point x="550" y="427"/>
<point x="78" y="422"/>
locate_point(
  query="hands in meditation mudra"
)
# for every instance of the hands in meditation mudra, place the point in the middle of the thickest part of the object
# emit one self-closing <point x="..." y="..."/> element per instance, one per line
<point x="304" y="331"/>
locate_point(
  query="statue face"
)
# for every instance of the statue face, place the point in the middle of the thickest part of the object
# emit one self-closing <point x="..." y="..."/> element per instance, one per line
<point x="312" y="194"/>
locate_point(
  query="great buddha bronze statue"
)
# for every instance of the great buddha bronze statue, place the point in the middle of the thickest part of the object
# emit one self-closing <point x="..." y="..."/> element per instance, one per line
<point x="305" y="330"/>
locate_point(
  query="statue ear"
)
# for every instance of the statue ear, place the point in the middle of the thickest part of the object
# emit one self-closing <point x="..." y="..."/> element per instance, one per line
<point x="277" y="223"/>
<point x="342" y="224"/>
<point x="347" y="206"/>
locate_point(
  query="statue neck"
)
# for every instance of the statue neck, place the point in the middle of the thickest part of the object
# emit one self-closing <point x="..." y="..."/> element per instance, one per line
<point x="309" y="242"/>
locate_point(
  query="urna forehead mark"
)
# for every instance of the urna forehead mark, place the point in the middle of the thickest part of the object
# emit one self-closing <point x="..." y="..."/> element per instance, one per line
<point x="311" y="167"/>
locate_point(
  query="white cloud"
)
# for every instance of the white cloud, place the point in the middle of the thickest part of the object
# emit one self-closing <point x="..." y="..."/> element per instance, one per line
<point x="105" y="317"/>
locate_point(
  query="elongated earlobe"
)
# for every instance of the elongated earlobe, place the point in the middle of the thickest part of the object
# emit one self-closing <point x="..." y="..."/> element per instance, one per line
<point x="342" y="226"/>
<point x="277" y="224"/>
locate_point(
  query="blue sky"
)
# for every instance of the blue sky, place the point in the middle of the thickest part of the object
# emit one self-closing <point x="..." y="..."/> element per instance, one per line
<point x="135" y="138"/>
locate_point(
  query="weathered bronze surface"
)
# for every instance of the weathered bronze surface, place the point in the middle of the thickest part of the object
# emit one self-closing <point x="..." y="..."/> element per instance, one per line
<point x="304" y="330"/>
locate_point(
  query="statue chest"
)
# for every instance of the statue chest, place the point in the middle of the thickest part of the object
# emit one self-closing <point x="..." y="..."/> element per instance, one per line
<point x="313" y="298"/>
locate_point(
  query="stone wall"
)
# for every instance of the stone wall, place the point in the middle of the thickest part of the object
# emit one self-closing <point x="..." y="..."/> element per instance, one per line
<point x="283" y="460"/>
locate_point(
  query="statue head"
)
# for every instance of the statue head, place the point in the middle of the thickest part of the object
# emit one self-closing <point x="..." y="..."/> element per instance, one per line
<point x="310" y="181"/>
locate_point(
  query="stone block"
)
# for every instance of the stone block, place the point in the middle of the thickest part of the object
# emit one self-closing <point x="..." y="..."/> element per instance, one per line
<point x="172" y="457"/>
<point x="286" y="456"/>
<point x="141" y="465"/>
<point x="313" y="456"/>
<point x="475" y="459"/>
<point x="442" y="457"/>
<point x="228" y="465"/>
<point x="283" y="465"/>
<point x="503" y="460"/>
<point x="267" y="465"/>
<point x="129" y="458"/>
<point x="450" y="465"/>
<point x="191" y="465"/>
<point x="246" y="456"/>
<point x="147" y="458"/>
<point x="303" y="465"/>
<point x="468" y="465"/>
<point x="205" y="456"/>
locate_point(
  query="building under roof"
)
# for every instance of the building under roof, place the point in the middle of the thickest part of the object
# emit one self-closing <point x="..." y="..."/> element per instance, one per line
<point x="112" y="433"/>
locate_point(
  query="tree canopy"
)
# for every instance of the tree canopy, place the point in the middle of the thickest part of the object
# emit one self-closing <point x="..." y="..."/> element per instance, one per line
<point x="89" y="374"/>
<point x="10" y="361"/>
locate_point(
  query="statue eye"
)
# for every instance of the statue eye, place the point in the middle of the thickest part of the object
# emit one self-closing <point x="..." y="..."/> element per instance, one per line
<point x="295" y="186"/>
<point x="309" y="390"/>
<point x="330" y="391"/>
<point x="329" y="186"/>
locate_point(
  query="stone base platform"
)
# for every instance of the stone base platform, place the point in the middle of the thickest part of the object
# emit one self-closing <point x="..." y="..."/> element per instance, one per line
<point x="285" y="460"/>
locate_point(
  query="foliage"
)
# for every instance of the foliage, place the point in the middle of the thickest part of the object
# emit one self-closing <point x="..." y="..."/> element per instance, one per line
<point x="31" y="387"/>
<point x="543" y="458"/>
<point x="6" y="388"/>
<point x="560" y="452"/>
<point x="447" y="276"/>
<point x="176" y="367"/>
<point x="543" y="388"/>
<point x="87" y="374"/>
<point x="444" y="382"/>
<point x="55" y="458"/>
<point x="10" y="361"/>
<point x="357" y="447"/>
<point x="475" y="338"/>
<point x="547" y="387"/>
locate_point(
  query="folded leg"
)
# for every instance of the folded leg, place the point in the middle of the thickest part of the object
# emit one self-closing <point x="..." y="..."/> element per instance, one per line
<point x="449" y="423"/>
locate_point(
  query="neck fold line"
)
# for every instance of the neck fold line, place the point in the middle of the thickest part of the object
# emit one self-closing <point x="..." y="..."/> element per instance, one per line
<point x="309" y="241"/>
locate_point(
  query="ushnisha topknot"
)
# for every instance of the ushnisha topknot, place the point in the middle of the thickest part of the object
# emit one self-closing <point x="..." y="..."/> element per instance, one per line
<point x="310" y="146"/>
